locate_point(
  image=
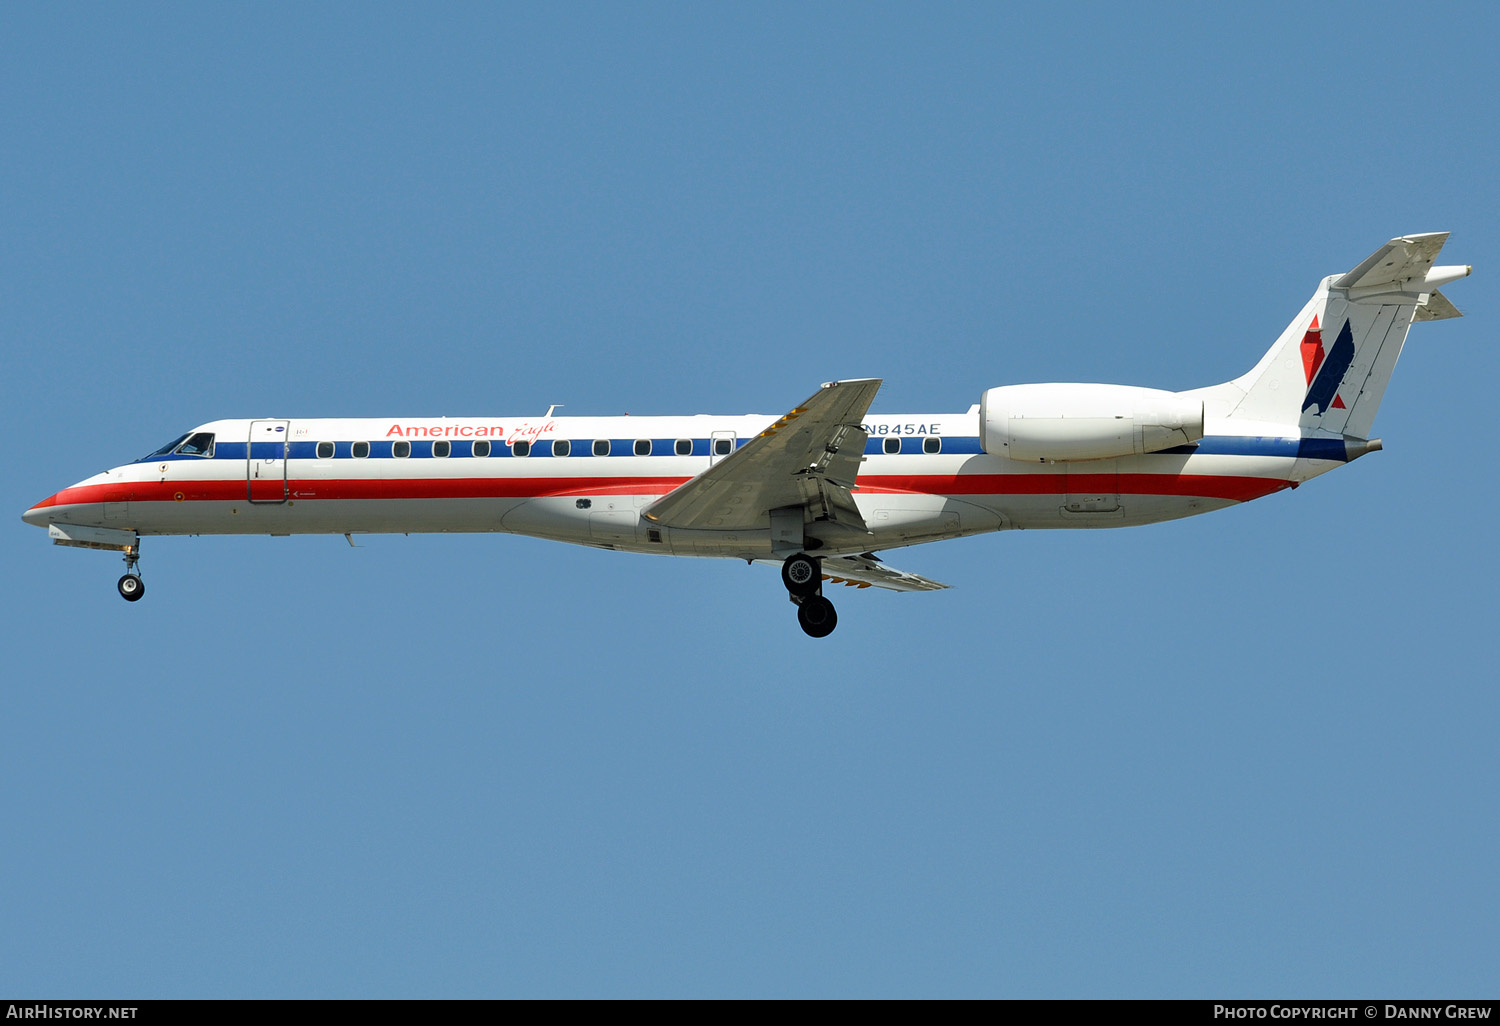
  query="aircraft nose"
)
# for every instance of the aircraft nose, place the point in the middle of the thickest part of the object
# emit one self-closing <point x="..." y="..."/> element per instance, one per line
<point x="38" y="514"/>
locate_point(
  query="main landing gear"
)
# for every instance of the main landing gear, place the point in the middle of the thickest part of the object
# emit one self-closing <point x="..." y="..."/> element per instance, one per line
<point x="131" y="586"/>
<point x="803" y="576"/>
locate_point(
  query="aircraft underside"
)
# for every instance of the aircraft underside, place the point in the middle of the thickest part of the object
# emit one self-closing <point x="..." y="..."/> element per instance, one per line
<point x="817" y="552"/>
<point x="615" y="522"/>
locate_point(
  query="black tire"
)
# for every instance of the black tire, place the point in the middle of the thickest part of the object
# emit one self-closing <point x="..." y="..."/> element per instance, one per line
<point x="802" y="574"/>
<point x="817" y="616"/>
<point x="131" y="588"/>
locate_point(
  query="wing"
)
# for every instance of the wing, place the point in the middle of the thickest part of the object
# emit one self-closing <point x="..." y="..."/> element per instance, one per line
<point x="868" y="571"/>
<point x="807" y="459"/>
<point x="864" y="571"/>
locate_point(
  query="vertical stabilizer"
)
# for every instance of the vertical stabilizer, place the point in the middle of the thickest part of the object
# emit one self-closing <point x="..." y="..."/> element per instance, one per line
<point x="1328" y="371"/>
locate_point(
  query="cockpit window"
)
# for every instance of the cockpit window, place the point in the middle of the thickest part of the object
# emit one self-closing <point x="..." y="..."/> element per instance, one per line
<point x="164" y="450"/>
<point x="200" y="444"/>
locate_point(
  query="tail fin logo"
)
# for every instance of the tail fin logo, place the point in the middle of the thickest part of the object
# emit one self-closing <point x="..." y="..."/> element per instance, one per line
<point x="1324" y="375"/>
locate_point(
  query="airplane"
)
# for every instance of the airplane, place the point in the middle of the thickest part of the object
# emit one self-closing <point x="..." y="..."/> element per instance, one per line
<point x="816" y="491"/>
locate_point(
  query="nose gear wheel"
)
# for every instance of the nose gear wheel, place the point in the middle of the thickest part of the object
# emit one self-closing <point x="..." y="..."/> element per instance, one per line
<point x="131" y="587"/>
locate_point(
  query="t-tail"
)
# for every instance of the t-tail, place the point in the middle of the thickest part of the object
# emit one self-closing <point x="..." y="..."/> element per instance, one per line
<point x="1329" y="369"/>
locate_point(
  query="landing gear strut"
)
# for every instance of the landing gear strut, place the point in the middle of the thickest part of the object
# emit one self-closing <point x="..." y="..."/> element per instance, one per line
<point x="131" y="587"/>
<point x="803" y="576"/>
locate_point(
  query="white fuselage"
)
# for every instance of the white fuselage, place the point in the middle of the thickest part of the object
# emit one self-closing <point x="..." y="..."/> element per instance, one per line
<point x="586" y="479"/>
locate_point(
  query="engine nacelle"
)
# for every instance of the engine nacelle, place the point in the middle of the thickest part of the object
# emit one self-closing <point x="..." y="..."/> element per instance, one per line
<point x="1085" y="422"/>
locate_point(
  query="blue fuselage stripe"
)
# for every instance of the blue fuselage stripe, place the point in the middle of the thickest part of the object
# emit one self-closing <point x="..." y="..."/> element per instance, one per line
<point x="582" y="448"/>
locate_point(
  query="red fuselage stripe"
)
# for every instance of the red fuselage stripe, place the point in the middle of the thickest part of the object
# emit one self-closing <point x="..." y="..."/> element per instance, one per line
<point x="1200" y="485"/>
<point x="1206" y="486"/>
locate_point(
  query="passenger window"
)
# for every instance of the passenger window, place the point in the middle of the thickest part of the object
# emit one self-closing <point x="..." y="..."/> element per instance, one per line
<point x="325" y="450"/>
<point x="562" y="447"/>
<point x="683" y="447"/>
<point x="723" y="446"/>
<point x="601" y="447"/>
<point x="481" y="449"/>
<point x="401" y="450"/>
<point x="892" y="446"/>
<point x="201" y="444"/>
<point x="932" y="446"/>
<point x="643" y="447"/>
<point x="442" y="449"/>
<point x="361" y="450"/>
<point x="520" y="448"/>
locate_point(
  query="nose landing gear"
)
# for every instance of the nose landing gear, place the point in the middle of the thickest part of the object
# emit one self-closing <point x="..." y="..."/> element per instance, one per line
<point x="803" y="576"/>
<point x="131" y="586"/>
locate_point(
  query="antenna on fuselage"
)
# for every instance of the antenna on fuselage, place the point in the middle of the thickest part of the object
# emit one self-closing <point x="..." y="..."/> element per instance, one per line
<point x="553" y="407"/>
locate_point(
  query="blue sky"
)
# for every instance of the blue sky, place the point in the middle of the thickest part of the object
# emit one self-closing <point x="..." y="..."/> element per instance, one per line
<point x="1248" y="754"/>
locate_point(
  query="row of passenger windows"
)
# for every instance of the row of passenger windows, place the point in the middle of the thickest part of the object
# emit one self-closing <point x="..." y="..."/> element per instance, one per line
<point x="601" y="447"/>
<point x="560" y="447"/>
<point x="202" y="444"/>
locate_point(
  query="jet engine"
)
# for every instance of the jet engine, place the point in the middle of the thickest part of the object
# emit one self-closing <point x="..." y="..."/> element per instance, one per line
<point x="1085" y="422"/>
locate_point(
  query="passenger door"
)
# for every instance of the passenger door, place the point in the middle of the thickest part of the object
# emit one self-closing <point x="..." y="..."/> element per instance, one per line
<point x="265" y="461"/>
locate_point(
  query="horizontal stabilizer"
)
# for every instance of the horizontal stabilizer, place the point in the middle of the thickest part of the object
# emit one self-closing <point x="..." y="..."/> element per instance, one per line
<point x="1437" y="308"/>
<point x="1410" y="256"/>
